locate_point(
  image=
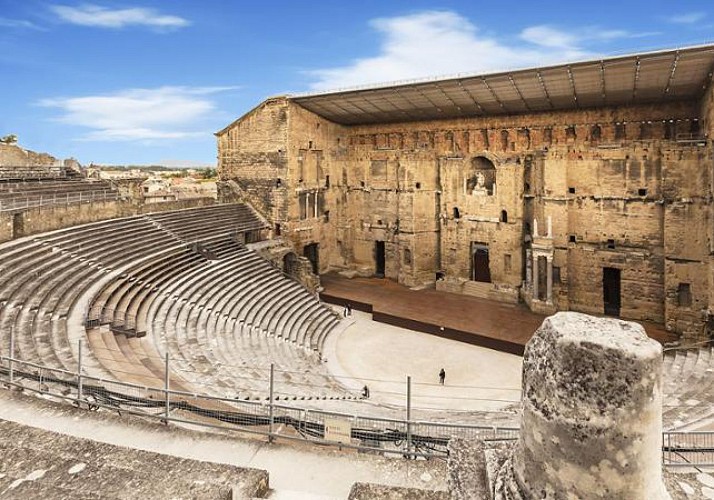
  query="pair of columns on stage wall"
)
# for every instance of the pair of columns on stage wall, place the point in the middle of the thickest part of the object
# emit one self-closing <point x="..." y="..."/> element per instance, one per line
<point x="307" y="203"/>
<point x="549" y="264"/>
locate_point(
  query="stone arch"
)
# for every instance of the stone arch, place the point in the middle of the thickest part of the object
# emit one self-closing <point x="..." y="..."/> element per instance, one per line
<point x="481" y="177"/>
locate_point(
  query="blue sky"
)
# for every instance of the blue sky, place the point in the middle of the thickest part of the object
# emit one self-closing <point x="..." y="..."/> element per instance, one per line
<point x="147" y="81"/>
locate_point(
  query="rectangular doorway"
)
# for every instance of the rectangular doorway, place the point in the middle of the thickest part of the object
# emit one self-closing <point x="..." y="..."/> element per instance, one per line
<point x="379" y="259"/>
<point x="611" y="291"/>
<point x="480" y="265"/>
<point x="312" y="253"/>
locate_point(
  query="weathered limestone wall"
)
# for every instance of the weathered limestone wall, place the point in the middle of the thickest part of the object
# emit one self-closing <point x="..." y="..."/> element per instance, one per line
<point x="38" y="220"/>
<point x="707" y="114"/>
<point x="315" y="158"/>
<point x="253" y="152"/>
<point x="15" y="156"/>
<point x="618" y="188"/>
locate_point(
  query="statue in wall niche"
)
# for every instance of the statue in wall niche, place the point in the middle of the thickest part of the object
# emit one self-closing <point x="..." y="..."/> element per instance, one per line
<point x="479" y="188"/>
<point x="481" y="180"/>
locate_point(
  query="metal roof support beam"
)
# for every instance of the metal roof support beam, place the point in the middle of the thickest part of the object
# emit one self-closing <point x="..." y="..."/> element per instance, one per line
<point x="471" y="96"/>
<point x="672" y="71"/>
<point x="368" y="113"/>
<point x="447" y="97"/>
<point x="518" y="91"/>
<point x="545" y="89"/>
<point x="406" y="98"/>
<point x="493" y="94"/>
<point x="571" y="79"/>
<point x="602" y="82"/>
<point x="637" y="78"/>
<point x="394" y="105"/>
<point x="416" y="89"/>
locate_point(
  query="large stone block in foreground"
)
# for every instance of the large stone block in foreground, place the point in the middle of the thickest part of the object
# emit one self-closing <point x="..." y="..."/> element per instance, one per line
<point x="592" y="414"/>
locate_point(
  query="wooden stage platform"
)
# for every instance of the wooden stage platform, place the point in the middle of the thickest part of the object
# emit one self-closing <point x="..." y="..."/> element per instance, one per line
<point x="496" y="325"/>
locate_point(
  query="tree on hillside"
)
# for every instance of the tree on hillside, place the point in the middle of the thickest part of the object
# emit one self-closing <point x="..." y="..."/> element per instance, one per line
<point x="209" y="173"/>
<point x="9" y="139"/>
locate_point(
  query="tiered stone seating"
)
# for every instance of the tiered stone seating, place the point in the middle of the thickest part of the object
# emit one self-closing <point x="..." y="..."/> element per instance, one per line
<point x="688" y="386"/>
<point x="47" y="278"/>
<point x="214" y="318"/>
<point x="208" y="223"/>
<point x="42" y="464"/>
<point x="11" y="173"/>
<point x="26" y="194"/>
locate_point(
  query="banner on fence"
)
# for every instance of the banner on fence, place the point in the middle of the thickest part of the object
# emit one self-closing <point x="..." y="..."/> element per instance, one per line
<point x="338" y="430"/>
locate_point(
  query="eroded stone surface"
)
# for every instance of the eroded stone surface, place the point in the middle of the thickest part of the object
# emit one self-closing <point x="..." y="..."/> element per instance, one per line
<point x="368" y="491"/>
<point x="591" y="413"/>
<point x="41" y="464"/>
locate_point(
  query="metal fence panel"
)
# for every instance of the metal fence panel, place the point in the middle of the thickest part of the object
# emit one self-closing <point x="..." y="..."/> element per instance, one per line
<point x="363" y="432"/>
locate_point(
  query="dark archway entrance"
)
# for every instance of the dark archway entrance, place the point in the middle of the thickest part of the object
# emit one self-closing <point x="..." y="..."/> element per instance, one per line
<point x="312" y="253"/>
<point x="480" y="270"/>
<point x="290" y="264"/>
<point x="379" y="259"/>
<point x="611" y="291"/>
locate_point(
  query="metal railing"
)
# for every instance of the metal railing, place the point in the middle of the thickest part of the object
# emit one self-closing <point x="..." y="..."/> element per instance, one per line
<point x="688" y="448"/>
<point x="382" y="435"/>
<point x="29" y="201"/>
<point x="117" y="318"/>
<point x="406" y="437"/>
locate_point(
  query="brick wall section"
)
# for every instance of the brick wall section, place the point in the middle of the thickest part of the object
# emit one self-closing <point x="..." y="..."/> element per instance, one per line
<point x="600" y="174"/>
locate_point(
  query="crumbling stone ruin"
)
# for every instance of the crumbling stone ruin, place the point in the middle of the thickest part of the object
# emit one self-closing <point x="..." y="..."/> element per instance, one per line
<point x="584" y="187"/>
<point x="592" y="419"/>
<point x="592" y="413"/>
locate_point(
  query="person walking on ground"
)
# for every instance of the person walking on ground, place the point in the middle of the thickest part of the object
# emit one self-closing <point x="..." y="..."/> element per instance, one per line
<point x="349" y="309"/>
<point x="365" y="392"/>
<point x="442" y="376"/>
<point x="345" y="309"/>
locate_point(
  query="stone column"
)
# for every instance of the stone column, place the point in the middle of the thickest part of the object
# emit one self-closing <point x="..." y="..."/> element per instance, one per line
<point x="529" y="269"/>
<point x="549" y="282"/>
<point x="592" y="414"/>
<point x="535" y="276"/>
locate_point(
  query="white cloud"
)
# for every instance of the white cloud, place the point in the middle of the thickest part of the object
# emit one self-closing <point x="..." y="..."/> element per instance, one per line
<point x="162" y="113"/>
<point x="102" y="17"/>
<point x="18" y="23"/>
<point x="437" y="43"/>
<point x="687" y="18"/>
<point x="547" y="36"/>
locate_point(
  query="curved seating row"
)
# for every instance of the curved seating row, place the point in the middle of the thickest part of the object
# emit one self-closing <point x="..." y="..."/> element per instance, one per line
<point x="688" y="388"/>
<point x="224" y="321"/>
<point x="45" y="278"/>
